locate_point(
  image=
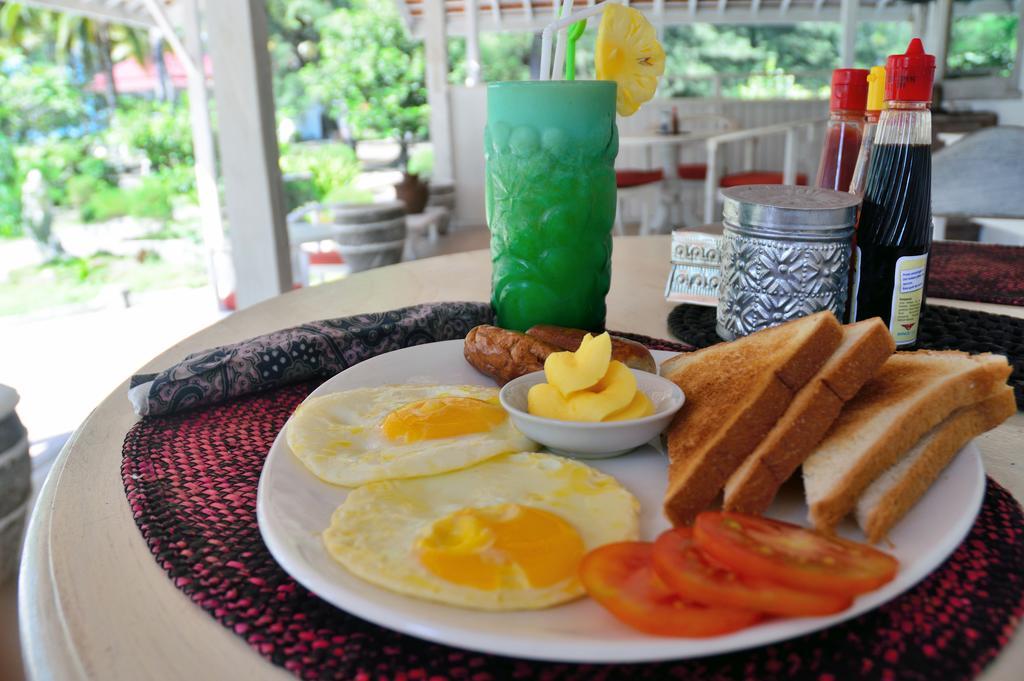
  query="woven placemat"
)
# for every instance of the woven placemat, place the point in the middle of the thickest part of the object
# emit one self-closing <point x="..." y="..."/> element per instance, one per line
<point x="942" y="328"/>
<point x="191" y="481"/>
<point x="988" y="273"/>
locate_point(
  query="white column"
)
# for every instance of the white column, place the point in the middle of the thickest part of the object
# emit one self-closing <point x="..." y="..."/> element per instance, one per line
<point x="936" y="37"/>
<point x="472" y="44"/>
<point x="848" y="23"/>
<point x="918" y="20"/>
<point x="435" y="47"/>
<point x="202" y="142"/>
<point x="237" y="38"/>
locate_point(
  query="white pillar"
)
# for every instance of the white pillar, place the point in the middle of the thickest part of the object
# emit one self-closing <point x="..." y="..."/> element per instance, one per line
<point x="936" y="37"/>
<point x="918" y="20"/>
<point x="848" y="24"/>
<point x="472" y="44"/>
<point x="237" y="32"/>
<point x="435" y="47"/>
<point x="202" y="142"/>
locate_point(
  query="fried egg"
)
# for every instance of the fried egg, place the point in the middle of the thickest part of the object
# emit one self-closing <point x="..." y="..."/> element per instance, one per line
<point x="506" y="534"/>
<point x="400" y="431"/>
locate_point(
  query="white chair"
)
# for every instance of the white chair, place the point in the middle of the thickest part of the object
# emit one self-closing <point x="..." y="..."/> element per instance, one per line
<point x="792" y="158"/>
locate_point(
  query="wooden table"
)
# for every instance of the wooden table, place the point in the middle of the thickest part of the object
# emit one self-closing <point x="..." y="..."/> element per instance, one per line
<point x="94" y="602"/>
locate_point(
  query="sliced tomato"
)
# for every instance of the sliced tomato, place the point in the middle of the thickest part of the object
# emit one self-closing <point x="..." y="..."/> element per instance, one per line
<point x="620" y="578"/>
<point x="697" y="577"/>
<point x="792" y="555"/>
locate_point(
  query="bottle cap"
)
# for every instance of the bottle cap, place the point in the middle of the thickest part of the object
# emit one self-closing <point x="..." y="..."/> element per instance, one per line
<point x="876" y="88"/>
<point x="849" y="90"/>
<point x="908" y="77"/>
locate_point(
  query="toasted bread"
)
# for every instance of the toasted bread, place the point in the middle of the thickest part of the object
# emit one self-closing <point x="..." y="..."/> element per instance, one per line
<point x="911" y="394"/>
<point x="735" y="393"/>
<point x="864" y="348"/>
<point x="888" y="498"/>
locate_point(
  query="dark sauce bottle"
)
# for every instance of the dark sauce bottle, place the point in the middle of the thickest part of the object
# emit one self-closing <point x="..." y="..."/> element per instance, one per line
<point x="894" y="234"/>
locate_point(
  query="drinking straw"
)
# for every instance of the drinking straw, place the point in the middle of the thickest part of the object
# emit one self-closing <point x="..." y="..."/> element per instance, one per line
<point x="556" y="68"/>
<point x="549" y="30"/>
<point x="571" y="36"/>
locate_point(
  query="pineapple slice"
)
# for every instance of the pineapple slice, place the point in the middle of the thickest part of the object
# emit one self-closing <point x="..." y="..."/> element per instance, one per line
<point x="629" y="53"/>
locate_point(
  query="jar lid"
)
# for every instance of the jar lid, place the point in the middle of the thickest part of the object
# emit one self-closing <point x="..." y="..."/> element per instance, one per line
<point x="908" y="76"/>
<point x="849" y="90"/>
<point x="787" y="206"/>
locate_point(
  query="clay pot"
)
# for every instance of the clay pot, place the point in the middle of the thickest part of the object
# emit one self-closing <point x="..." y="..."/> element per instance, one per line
<point x="413" y="192"/>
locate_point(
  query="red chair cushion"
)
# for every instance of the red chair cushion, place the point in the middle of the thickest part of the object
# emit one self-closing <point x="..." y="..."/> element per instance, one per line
<point x="757" y="177"/>
<point x="325" y="258"/>
<point x="635" y="178"/>
<point x="692" y="171"/>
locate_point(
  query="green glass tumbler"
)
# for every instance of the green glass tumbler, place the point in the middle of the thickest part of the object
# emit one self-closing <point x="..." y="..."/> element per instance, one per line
<point x="550" y="189"/>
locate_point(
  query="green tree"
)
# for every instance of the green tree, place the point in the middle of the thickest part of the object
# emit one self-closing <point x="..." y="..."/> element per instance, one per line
<point x="370" y="72"/>
<point x="38" y="98"/>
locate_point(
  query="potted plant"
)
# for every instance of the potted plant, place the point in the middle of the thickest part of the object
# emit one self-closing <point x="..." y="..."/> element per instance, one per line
<point x="414" y="189"/>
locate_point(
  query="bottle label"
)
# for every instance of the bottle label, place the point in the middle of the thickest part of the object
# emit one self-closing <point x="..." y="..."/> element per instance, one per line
<point x="907" y="296"/>
<point x="855" y="289"/>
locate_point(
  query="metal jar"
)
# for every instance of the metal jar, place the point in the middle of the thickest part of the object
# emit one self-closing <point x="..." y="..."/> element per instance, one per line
<point x="785" y="254"/>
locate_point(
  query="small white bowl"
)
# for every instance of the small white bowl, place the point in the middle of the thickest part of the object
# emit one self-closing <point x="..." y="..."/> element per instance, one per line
<point x="584" y="440"/>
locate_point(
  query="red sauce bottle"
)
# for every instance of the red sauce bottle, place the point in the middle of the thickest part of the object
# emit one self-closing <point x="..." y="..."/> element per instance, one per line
<point x="845" y="129"/>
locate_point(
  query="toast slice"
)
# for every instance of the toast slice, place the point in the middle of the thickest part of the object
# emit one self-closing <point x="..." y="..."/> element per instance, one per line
<point x="864" y="348"/>
<point x="912" y="393"/>
<point x="735" y="393"/>
<point x="887" y="499"/>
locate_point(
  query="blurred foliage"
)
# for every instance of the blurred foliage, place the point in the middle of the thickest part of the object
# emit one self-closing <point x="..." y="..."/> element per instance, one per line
<point x="61" y="160"/>
<point x="358" y="61"/>
<point x="503" y="56"/>
<point x="330" y="169"/>
<point x="421" y="162"/>
<point x="160" y="130"/>
<point x="982" y="45"/>
<point x="10" y="191"/>
<point x="39" y="99"/>
<point x="152" y="198"/>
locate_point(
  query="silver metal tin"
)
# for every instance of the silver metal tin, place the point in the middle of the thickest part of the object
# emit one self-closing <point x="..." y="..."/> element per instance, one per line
<point x="785" y="254"/>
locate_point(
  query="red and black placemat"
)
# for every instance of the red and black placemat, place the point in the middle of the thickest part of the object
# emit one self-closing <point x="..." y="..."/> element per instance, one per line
<point x="987" y="273"/>
<point x="191" y="480"/>
<point x="942" y="328"/>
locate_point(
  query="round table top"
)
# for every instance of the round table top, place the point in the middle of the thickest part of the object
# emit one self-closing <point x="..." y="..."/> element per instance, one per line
<point x="94" y="604"/>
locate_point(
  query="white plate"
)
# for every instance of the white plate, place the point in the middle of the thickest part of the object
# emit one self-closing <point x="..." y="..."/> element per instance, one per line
<point x="293" y="508"/>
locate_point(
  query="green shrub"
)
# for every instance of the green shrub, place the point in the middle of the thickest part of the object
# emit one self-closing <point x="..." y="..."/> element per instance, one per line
<point x="330" y="167"/>
<point x="298" y="191"/>
<point x="151" y="199"/>
<point x="159" y="130"/>
<point x="61" y="160"/>
<point x="10" y="191"/>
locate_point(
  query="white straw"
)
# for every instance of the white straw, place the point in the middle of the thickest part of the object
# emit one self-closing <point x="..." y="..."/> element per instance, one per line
<point x="561" y="38"/>
<point x="549" y="31"/>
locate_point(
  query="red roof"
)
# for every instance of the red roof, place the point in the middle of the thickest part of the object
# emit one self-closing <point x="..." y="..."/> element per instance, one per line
<point x="131" y="77"/>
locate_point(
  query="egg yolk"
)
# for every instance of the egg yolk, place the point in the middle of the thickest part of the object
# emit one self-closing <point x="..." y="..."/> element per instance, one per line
<point x="441" y="417"/>
<point x="502" y="545"/>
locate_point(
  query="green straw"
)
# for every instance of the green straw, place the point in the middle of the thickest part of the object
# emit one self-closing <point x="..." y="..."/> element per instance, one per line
<point x="572" y="35"/>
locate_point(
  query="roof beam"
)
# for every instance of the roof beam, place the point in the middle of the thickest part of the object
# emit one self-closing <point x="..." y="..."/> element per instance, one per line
<point x="784" y="6"/>
<point x="881" y="5"/>
<point x="496" y="12"/>
<point x="159" y="13"/>
<point x="104" y="12"/>
<point x="527" y="8"/>
<point x="721" y="6"/>
<point x="693" y="7"/>
<point x="818" y="4"/>
<point x="755" y="5"/>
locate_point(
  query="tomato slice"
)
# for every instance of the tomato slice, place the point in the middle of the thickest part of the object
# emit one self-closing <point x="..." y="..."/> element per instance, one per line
<point x="620" y="578"/>
<point x="696" y="576"/>
<point x="792" y="555"/>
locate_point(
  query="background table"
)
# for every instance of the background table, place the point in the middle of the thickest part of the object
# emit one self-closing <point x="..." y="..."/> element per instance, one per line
<point x="94" y="602"/>
<point x="668" y="146"/>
